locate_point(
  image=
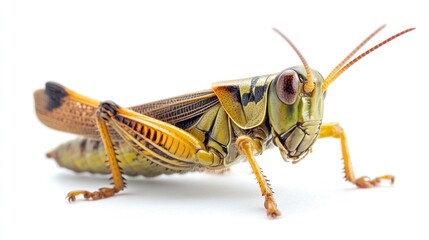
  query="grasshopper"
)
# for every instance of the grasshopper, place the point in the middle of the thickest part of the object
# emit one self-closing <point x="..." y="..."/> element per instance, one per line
<point x="206" y="130"/>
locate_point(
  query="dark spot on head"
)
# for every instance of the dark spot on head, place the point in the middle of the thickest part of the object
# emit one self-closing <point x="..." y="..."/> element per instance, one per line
<point x="289" y="87"/>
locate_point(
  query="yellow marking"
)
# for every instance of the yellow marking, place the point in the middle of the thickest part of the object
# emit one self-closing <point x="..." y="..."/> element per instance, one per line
<point x="138" y="127"/>
<point x="169" y="142"/>
<point x="82" y="99"/>
<point x="163" y="140"/>
<point x="186" y="153"/>
<point x="180" y="150"/>
<point x="152" y="134"/>
<point x="158" y="137"/>
<point x="145" y="129"/>
<point x="174" y="147"/>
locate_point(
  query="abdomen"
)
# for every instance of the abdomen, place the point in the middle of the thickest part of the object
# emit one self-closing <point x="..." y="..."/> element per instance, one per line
<point x="86" y="155"/>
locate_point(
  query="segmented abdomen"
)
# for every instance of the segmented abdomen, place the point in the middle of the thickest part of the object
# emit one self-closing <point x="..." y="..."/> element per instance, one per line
<point x="85" y="155"/>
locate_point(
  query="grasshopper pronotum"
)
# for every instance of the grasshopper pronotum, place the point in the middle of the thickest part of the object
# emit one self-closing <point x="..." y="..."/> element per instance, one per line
<point x="207" y="130"/>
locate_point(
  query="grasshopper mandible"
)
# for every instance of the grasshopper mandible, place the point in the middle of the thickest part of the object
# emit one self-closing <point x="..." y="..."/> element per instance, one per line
<point x="207" y="130"/>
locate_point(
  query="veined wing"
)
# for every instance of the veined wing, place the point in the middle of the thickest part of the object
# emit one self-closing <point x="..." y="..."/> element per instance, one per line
<point x="58" y="111"/>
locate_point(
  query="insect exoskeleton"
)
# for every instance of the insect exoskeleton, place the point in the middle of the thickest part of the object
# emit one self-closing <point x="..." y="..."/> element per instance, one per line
<point x="209" y="129"/>
<point x="295" y="115"/>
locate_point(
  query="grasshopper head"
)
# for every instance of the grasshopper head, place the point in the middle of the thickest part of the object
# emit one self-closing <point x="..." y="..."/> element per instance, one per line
<point x="295" y="100"/>
<point x="295" y="115"/>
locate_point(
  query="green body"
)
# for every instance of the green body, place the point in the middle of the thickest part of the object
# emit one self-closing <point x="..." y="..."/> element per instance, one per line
<point x="241" y="107"/>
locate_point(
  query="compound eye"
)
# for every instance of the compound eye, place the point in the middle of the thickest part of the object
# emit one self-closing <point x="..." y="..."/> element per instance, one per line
<point x="287" y="87"/>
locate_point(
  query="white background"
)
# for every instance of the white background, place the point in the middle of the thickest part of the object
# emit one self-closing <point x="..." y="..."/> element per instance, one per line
<point x="134" y="52"/>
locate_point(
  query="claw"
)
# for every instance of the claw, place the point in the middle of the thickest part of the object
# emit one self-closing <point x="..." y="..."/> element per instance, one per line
<point x="271" y="206"/>
<point x="366" y="182"/>
<point x="274" y="214"/>
<point x="101" y="193"/>
<point x="70" y="198"/>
